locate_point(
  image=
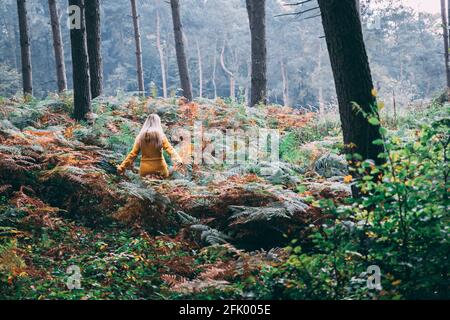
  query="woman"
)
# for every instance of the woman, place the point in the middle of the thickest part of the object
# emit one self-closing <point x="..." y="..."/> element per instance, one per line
<point x="151" y="142"/>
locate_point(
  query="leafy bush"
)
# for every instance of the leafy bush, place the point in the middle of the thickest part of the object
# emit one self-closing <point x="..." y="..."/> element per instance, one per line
<point x="400" y="224"/>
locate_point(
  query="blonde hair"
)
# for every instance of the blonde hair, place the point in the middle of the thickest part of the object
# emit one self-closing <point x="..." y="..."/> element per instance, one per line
<point x="151" y="132"/>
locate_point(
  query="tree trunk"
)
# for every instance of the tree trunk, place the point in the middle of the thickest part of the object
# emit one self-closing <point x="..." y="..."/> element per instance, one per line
<point x="94" y="43"/>
<point x="446" y="43"/>
<point x="228" y="72"/>
<point x="257" y="18"/>
<point x="181" y="54"/>
<point x="27" y="77"/>
<point x="284" y="76"/>
<point x="214" y="70"/>
<point x="200" y="70"/>
<point x="80" y="63"/>
<point x="352" y="76"/>
<point x="137" y="37"/>
<point x="161" y="54"/>
<point x="17" y="47"/>
<point x="58" y="47"/>
<point x="321" y="102"/>
<point x="248" y="80"/>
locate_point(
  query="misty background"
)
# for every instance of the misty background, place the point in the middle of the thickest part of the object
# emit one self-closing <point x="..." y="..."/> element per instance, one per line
<point x="404" y="47"/>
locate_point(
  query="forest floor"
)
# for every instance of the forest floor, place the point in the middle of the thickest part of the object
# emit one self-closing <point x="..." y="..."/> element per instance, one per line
<point x="207" y="232"/>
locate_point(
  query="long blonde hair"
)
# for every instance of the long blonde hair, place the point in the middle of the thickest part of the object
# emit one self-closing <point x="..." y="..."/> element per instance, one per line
<point x="151" y="132"/>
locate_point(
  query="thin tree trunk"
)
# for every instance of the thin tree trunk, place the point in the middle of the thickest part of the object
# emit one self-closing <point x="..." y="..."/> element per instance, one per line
<point x="284" y="76"/>
<point x="446" y="43"/>
<point x="353" y="80"/>
<point x="94" y="43"/>
<point x="321" y="102"/>
<point x="80" y="63"/>
<point x="229" y="73"/>
<point x="181" y="54"/>
<point x="200" y="70"/>
<point x="248" y="80"/>
<point x="161" y="54"/>
<point x="58" y="47"/>
<point x="17" y="48"/>
<point x="137" y="37"/>
<point x="257" y="19"/>
<point x="214" y="70"/>
<point x="27" y="74"/>
<point x="394" y="104"/>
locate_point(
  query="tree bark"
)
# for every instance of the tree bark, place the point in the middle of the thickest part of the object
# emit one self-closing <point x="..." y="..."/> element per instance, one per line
<point x="137" y="38"/>
<point x="200" y="70"/>
<point x="27" y="74"/>
<point x="181" y="54"/>
<point x="257" y="18"/>
<point x="446" y="43"/>
<point x="58" y="48"/>
<point x="352" y="76"/>
<point x="161" y="54"/>
<point x="80" y="63"/>
<point x="94" y="44"/>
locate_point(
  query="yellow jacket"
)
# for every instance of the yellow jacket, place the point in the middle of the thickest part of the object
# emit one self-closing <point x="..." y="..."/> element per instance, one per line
<point x="152" y="161"/>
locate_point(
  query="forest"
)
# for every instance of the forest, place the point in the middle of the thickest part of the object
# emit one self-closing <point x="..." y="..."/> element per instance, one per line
<point x="224" y="150"/>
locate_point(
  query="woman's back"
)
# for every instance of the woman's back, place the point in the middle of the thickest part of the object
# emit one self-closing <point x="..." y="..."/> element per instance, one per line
<point x="150" y="143"/>
<point x="152" y="152"/>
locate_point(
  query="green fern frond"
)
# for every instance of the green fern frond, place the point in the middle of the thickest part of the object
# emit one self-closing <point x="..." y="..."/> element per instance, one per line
<point x="245" y="215"/>
<point x="187" y="219"/>
<point x="210" y="235"/>
<point x="139" y="191"/>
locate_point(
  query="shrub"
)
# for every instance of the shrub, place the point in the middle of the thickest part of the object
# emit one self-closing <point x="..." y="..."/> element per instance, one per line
<point x="400" y="224"/>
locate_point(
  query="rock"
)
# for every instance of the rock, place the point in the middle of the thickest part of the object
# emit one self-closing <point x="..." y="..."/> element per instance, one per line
<point x="331" y="165"/>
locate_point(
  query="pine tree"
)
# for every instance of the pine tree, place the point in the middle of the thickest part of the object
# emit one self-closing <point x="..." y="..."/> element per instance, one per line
<point x="27" y="75"/>
<point x="58" y="46"/>
<point x="352" y="76"/>
<point x="137" y="38"/>
<point x="94" y="43"/>
<point x="257" y="19"/>
<point x="181" y="54"/>
<point x="80" y="62"/>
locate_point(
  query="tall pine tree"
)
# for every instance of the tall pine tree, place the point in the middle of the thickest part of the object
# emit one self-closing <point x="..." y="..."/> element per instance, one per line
<point x="58" y="46"/>
<point x="80" y="60"/>
<point x="181" y="54"/>
<point x="27" y="77"/>
<point x="352" y="76"/>
<point x="257" y="19"/>
<point x="94" y="44"/>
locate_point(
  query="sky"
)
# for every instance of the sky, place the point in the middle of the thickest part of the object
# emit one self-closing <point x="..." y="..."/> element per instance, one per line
<point x="432" y="6"/>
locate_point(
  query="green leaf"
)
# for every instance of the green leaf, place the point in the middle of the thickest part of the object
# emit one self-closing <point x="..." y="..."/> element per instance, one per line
<point x="374" y="121"/>
<point x="378" y="142"/>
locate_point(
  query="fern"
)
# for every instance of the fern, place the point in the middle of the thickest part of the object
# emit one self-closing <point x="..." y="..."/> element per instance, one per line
<point x="243" y="215"/>
<point x="138" y="190"/>
<point x="66" y="173"/>
<point x="210" y="235"/>
<point x="187" y="219"/>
